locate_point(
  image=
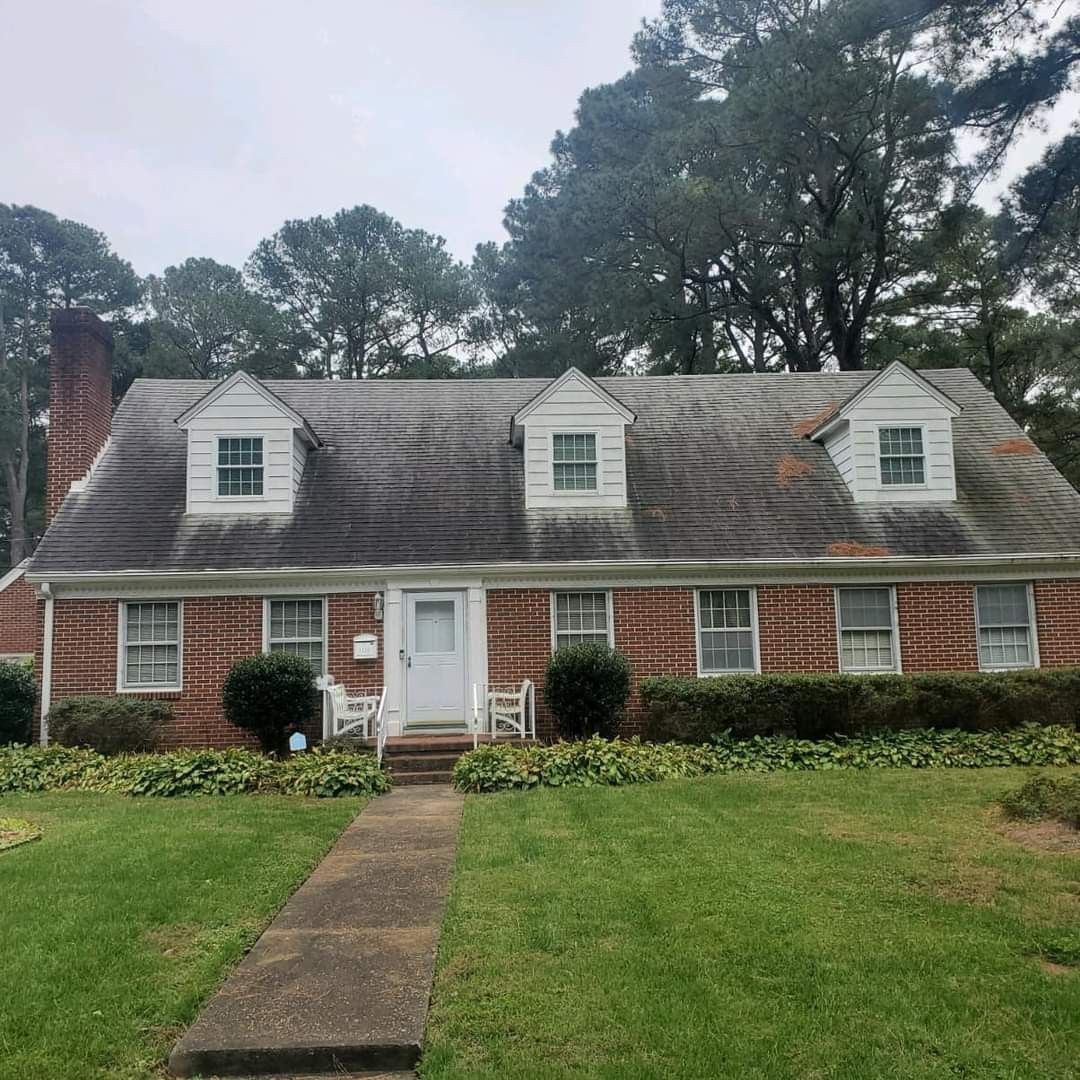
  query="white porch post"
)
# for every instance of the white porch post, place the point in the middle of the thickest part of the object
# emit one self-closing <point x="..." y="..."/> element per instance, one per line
<point x="393" y="664"/>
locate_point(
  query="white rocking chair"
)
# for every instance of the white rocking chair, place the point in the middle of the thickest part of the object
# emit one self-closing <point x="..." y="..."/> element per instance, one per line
<point x="511" y="711"/>
<point x="352" y="714"/>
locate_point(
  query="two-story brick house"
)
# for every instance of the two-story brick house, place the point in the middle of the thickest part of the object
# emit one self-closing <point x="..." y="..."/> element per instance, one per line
<point x="462" y="530"/>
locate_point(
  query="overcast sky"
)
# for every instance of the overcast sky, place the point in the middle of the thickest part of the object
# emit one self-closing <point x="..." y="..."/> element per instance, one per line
<point x="197" y="127"/>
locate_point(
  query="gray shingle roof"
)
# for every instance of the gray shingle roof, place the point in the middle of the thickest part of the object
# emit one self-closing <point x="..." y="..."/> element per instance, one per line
<point x="421" y="473"/>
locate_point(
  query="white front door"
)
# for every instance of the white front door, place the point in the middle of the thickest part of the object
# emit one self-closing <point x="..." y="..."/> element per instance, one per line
<point x="435" y="660"/>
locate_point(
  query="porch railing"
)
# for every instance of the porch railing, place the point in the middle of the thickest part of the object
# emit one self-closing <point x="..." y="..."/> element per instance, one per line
<point x="502" y="711"/>
<point x="380" y="727"/>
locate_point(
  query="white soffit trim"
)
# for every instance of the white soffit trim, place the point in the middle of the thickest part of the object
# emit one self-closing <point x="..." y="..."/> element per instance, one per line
<point x="374" y="579"/>
<point x="242" y="378"/>
<point x="896" y="367"/>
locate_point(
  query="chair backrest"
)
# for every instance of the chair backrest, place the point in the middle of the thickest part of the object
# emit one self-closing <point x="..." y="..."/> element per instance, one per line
<point x="338" y="698"/>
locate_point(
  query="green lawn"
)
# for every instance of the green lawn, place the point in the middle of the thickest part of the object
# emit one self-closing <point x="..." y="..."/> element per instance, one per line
<point x="123" y="917"/>
<point x="814" y="925"/>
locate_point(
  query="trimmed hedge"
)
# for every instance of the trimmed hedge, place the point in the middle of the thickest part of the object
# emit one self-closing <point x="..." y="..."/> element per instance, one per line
<point x="320" y="773"/>
<point x="586" y="687"/>
<point x="270" y="695"/>
<point x="501" y="767"/>
<point x="110" y="725"/>
<point x="816" y="706"/>
<point x="17" y="695"/>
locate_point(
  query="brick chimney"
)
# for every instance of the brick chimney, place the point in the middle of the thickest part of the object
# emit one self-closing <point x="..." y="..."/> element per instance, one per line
<point x="80" y="399"/>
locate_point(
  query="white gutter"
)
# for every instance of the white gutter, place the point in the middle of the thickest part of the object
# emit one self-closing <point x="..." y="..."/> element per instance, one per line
<point x="46" y="660"/>
<point x="891" y="562"/>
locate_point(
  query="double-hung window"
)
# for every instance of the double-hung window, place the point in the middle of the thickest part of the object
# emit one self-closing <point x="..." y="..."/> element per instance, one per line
<point x="867" y="625"/>
<point x="296" y="626"/>
<point x="573" y="461"/>
<point x="902" y="457"/>
<point x="150" y="645"/>
<point x="240" y="466"/>
<point x="581" y="618"/>
<point x="726" y="631"/>
<point x="1006" y="639"/>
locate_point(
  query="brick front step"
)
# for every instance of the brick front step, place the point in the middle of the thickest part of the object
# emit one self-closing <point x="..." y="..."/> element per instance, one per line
<point x="429" y="759"/>
<point x="408" y="779"/>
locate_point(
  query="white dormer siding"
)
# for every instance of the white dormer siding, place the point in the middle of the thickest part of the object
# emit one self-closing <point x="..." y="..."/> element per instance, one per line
<point x="897" y="400"/>
<point x="573" y="405"/>
<point x="241" y="408"/>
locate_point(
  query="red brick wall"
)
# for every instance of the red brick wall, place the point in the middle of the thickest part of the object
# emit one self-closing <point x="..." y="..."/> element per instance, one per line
<point x="655" y="630"/>
<point x="218" y="631"/>
<point x="654" y="627"/>
<point x="937" y="626"/>
<point x="519" y="642"/>
<point x="1057" y="612"/>
<point x="797" y="628"/>
<point x="18" y="618"/>
<point x="80" y="399"/>
<point x="349" y="614"/>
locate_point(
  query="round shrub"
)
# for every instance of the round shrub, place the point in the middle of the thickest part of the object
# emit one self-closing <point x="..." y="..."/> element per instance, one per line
<point x="269" y="695"/>
<point x="586" y="687"/>
<point x="16" y="702"/>
<point x="110" y="725"/>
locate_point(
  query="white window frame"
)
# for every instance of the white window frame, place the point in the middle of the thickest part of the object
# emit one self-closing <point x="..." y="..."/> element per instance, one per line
<point x="268" y="601"/>
<point x="898" y="660"/>
<point x="121" y="649"/>
<point x="216" y="484"/>
<point x="575" y="493"/>
<point x="571" y="592"/>
<point x="1033" y="627"/>
<point x="752" y="589"/>
<point x="903" y="425"/>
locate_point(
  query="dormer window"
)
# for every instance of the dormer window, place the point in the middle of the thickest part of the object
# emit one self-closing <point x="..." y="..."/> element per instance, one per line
<point x="240" y="466"/>
<point x="892" y="440"/>
<point x="246" y="449"/>
<point x="573" y="437"/>
<point x="574" y="461"/>
<point x="900" y="451"/>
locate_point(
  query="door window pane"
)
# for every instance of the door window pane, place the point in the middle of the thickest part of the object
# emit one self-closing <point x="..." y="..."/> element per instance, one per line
<point x="435" y="626"/>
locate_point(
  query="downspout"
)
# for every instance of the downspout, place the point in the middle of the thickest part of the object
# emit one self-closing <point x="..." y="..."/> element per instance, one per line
<point x="46" y="661"/>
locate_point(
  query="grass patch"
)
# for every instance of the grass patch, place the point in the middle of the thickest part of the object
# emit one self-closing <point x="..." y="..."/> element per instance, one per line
<point x="837" y="925"/>
<point x="126" y="914"/>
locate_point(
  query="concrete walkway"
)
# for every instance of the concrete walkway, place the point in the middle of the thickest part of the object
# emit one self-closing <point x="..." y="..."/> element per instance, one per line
<point x="341" y="979"/>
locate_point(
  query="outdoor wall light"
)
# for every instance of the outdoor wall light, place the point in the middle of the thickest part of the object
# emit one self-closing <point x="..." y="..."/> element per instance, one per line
<point x="377" y="607"/>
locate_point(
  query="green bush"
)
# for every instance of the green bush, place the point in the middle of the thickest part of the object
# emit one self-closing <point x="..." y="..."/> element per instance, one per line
<point x="586" y="687"/>
<point x="815" y="706"/>
<point x="501" y="767"/>
<point x="269" y="695"/>
<point x="110" y="725"/>
<point x="17" y="694"/>
<point x="1056" y="797"/>
<point x="190" y="772"/>
<point x="329" y="773"/>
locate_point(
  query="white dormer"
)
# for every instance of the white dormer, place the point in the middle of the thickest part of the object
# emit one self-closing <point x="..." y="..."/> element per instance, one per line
<point x="574" y="438"/>
<point x="246" y="450"/>
<point x="892" y="441"/>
